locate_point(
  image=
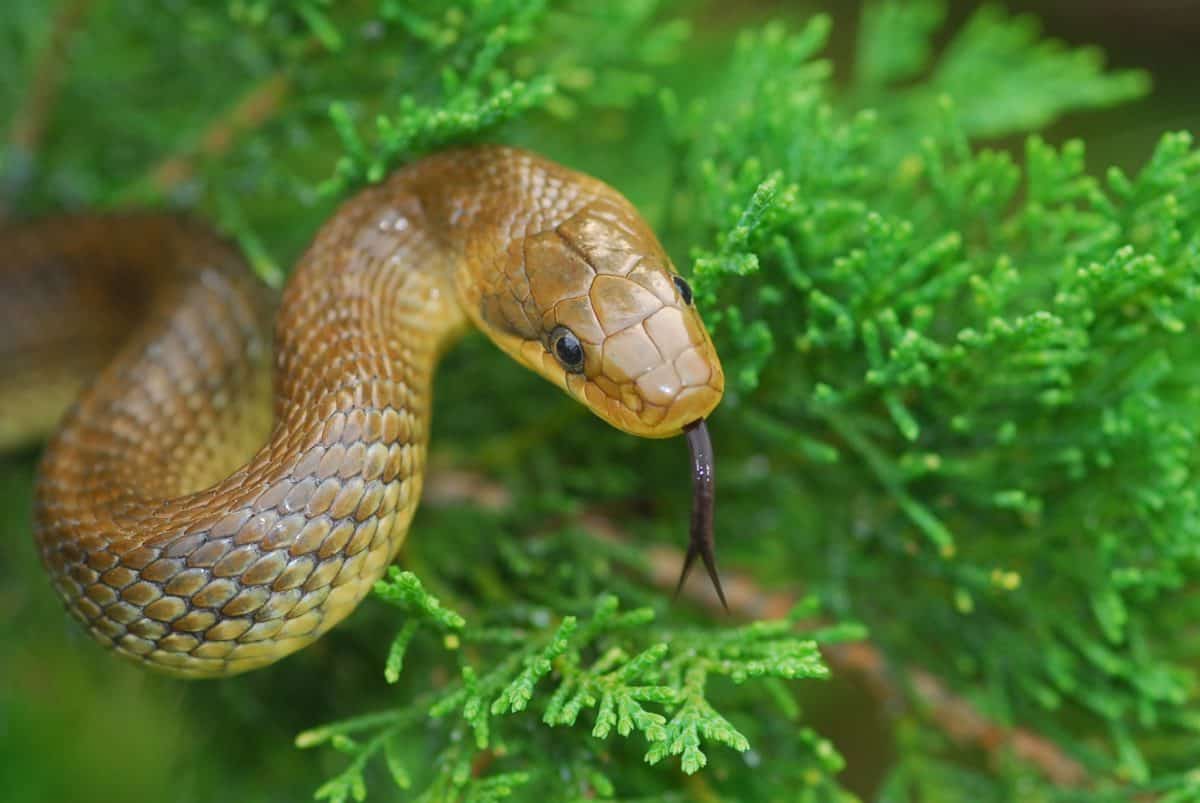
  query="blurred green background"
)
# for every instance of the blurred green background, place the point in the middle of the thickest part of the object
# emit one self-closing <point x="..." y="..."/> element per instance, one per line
<point x="77" y="724"/>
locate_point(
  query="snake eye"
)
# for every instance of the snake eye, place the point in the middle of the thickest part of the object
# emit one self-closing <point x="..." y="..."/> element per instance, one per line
<point x="567" y="349"/>
<point x="685" y="289"/>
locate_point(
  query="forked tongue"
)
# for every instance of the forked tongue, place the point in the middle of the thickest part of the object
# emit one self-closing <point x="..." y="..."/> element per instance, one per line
<point x="702" y="541"/>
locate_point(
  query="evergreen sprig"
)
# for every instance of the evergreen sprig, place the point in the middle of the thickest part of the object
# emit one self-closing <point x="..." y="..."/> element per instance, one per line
<point x="483" y="84"/>
<point x="610" y="661"/>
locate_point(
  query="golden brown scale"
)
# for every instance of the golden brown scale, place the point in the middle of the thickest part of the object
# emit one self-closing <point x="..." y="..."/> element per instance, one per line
<point x="198" y="525"/>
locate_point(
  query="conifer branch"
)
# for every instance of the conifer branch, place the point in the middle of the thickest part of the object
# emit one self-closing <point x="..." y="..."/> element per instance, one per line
<point x="954" y="715"/>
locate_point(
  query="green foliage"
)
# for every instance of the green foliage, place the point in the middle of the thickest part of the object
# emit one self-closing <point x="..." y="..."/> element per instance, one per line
<point x="638" y="678"/>
<point x="464" y="106"/>
<point x="960" y="406"/>
<point x="479" y="88"/>
<point x="1005" y="78"/>
<point x="1003" y="349"/>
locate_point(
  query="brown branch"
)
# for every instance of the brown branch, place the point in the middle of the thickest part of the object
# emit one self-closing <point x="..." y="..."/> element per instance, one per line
<point x="255" y="108"/>
<point x="29" y="124"/>
<point x="955" y="716"/>
<point x="29" y="121"/>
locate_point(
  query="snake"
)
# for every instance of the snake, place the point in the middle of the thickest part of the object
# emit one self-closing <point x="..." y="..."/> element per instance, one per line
<point x="229" y="469"/>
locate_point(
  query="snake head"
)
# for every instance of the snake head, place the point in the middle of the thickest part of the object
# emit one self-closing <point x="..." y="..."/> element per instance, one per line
<point x="583" y="294"/>
<point x="595" y="306"/>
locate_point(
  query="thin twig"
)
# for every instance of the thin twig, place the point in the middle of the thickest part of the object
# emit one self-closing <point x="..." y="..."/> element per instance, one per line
<point x="954" y="715"/>
<point x="29" y="124"/>
<point x="255" y="108"/>
<point x="29" y="121"/>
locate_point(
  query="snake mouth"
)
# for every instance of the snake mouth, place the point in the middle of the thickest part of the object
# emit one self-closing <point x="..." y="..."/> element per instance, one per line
<point x="702" y="541"/>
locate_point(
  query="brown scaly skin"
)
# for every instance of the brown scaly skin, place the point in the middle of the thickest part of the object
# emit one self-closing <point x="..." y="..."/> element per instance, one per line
<point x="204" y="522"/>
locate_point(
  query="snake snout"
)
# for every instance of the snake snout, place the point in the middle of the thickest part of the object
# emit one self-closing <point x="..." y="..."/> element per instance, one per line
<point x="684" y="388"/>
<point x="659" y="371"/>
<point x="692" y="404"/>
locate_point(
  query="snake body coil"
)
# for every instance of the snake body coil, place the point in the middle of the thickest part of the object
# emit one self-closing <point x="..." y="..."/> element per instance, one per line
<point x="222" y="495"/>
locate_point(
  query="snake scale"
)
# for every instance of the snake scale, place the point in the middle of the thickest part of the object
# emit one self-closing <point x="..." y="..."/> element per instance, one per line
<point x="225" y="490"/>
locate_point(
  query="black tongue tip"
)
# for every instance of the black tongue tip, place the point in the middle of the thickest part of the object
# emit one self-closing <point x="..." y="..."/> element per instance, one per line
<point x="710" y="565"/>
<point x="702" y="541"/>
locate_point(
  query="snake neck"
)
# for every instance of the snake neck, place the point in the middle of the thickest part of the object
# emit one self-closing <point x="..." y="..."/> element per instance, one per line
<point x="368" y="312"/>
<point x="416" y="260"/>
